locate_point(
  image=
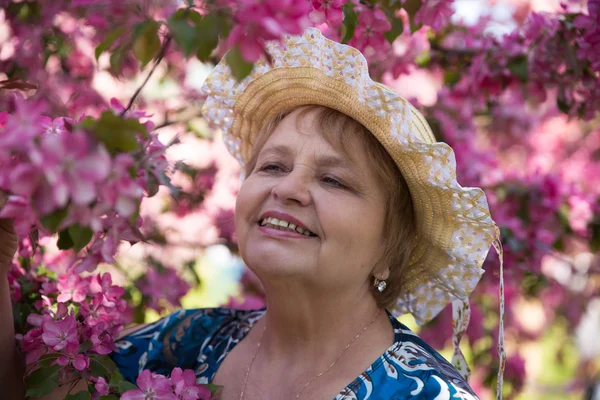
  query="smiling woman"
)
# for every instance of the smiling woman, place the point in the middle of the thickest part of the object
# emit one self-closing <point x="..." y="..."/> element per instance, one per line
<point x="349" y="214"/>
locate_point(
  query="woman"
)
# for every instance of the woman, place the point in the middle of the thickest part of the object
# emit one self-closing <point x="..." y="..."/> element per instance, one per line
<point x="349" y="211"/>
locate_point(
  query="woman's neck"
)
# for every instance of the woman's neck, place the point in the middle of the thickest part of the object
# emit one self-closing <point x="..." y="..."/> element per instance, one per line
<point x="315" y="329"/>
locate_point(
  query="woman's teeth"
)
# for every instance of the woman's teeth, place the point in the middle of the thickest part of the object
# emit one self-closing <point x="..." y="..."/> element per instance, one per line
<point x="272" y="222"/>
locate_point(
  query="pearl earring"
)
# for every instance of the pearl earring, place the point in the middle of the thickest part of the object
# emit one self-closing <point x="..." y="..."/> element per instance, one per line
<point x="380" y="284"/>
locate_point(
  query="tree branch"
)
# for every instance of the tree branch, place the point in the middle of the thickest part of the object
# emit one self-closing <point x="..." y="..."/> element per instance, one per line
<point x="161" y="54"/>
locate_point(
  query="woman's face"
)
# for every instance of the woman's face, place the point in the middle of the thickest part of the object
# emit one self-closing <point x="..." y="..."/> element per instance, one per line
<point x="333" y="201"/>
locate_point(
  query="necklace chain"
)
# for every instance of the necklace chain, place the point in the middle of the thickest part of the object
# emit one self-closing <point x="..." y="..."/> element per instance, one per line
<point x="314" y="377"/>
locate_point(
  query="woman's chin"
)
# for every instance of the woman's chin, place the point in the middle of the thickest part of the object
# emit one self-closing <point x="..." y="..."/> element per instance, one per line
<point x="270" y="261"/>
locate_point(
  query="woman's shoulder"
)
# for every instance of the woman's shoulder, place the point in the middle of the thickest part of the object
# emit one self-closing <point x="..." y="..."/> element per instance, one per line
<point x="182" y="339"/>
<point x="411" y="369"/>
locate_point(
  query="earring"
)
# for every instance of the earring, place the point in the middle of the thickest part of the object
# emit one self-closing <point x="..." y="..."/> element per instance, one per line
<point x="380" y="284"/>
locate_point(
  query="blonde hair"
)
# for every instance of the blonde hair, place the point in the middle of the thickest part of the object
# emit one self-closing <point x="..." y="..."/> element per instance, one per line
<point x="399" y="228"/>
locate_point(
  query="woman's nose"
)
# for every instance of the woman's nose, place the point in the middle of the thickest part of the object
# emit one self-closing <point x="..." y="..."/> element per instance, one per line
<point x="293" y="187"/>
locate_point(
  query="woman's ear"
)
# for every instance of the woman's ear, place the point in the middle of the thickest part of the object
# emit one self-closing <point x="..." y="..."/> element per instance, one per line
<point x="381" y="273"/>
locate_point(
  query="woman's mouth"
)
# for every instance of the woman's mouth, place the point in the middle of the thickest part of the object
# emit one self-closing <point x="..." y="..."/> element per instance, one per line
<point x="283" y="225"/>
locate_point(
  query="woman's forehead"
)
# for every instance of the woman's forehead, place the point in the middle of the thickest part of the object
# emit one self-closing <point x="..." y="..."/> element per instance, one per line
<point x="328" y="150"/>
<point x="335" y="145"/>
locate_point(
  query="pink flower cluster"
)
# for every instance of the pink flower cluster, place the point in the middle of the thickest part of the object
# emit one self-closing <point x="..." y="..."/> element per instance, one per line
<point x="327" y="12"/>
<point x="368" y="34"/>
<point x="527" y="208"/>
<point x="162" y="287"/>
<point x="181" y="385"/>
<point x="435" y="13"/>
<point x="256" y="22"/>
<point x="589" y="42"/>
<point x="58" y="172"/>
<point x="88" y="317"/>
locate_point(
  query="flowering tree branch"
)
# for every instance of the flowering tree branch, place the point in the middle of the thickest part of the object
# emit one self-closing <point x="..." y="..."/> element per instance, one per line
<point x="163" y="51"/>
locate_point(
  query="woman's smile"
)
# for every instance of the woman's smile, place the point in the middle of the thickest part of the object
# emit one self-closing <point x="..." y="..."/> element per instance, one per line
<point x="281" y="224"/>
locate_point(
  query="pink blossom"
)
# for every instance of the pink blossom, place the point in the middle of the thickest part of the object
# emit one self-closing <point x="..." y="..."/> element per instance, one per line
<point x="103" y="343"/>
<point x="514" y="371"/>
<point x="224" y="222"/>
<point x="151" y="387"/>
<point x="71" y="168"/>
<point x="589" y="43"/>
<point x="121" y="190"/>
<point x="327" y="11"/>
<point x="19" y="210"/>
<point x="54" y="126"/>
<point x="184" y="385"/>
<point x="101" y="386"/>
<point x="248" y="302"/>
<point x="59" y="334"/>
<point x="435" y="13"/>
<point x="162" y="287"/>
<point x="103" y="284"/>
<point x="368" y="38"/>
<point x="72" y="287"/>
<point x="257" y="22"/>
<point x="22" y="125"/>
<point x="580" y="214"/>
<point x="79" y="362"/>
<point x="24" y="179"/>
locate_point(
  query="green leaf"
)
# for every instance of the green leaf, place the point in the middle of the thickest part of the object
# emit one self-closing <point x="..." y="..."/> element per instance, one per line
<point x="415" y="27"/>
<point x="562" y="104"/>
<point x="125" y="386"/>
<point x="423" y="59"/>
<point x="85" y="346"/>
<point x="108" y="397"/>
<point x="397" y="28"/>
<point x="349" y="23"/>
<point x="213" y="388"/>
<point x="80" y="235"/>
<point x="451" y="77"/>
<point x="116" y="60"/>
<point x="207" y="33"/>
<point x="225" y="23"/>
<point x="25" y="11"/>
<point x="595" y="237"/>
<point x="81" y="395"/>
<point x="115" y="379"/>
<point x="42" y="381"/>
<point x="64" y="240"/>
<point x="184" y="35"/>
<point x="47" y="359"/>
<point x="519" y="67"/>
<point x="108" y="41"/>
<point x="240" y="68"/>
<point x="146" y="41"/>
<point x="411" y="7"/>
<point x="102" y="366"/>
<point x="117" y="133"/>
<point x="52" y="221"/>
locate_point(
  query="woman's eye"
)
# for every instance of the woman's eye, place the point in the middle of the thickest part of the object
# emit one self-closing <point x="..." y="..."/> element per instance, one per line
<point x="271" y="168"/>
<point x="333" y="182"/>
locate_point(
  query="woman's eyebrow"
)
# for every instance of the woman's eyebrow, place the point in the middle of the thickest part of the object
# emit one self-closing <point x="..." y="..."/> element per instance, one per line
<point x="279" y="149"/>
<point x="329" y="160"/>
<point x="334" y="161"/>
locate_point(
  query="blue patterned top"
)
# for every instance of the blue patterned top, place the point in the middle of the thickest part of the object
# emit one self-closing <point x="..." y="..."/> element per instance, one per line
<point x="201" y="339"/>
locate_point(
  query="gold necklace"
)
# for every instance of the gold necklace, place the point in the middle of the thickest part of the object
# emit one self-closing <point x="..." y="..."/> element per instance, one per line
<point x="314" y="377"/>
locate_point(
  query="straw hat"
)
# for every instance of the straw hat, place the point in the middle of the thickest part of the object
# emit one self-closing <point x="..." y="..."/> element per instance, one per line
<point x="455" y="230"/>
